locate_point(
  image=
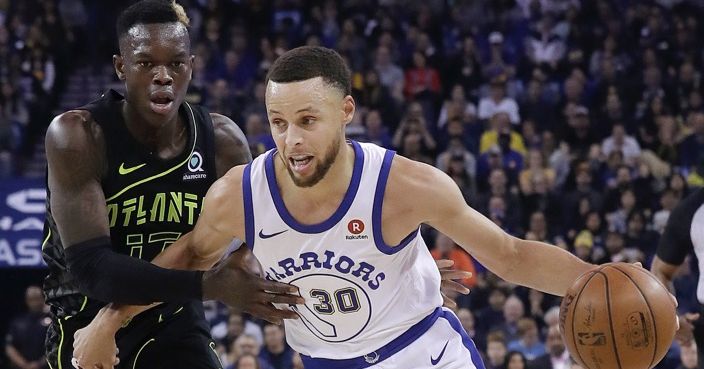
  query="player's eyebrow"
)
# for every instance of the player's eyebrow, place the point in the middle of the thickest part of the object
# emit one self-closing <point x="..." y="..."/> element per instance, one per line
<point x="309" y="109"/>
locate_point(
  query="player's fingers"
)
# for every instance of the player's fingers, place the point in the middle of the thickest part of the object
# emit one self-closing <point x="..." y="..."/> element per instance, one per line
<point x="691" y="316"/>
<point x="281" y="299"/>
<point x="444" y="263"/>
<point x="274" y="315"/>
<point x="455" y="274"/>
<point x="448" y="302"/>
<point x="259" y="312"/>
<point x="278" y="287"/>
<point x="638" y="264"/>
<point x="455" y="286"/>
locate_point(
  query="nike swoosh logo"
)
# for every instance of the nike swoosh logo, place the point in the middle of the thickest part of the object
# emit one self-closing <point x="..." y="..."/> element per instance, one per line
<point x="122" y="170"/>
<point x="265" y="236"/>
<point x="436" y="361"/>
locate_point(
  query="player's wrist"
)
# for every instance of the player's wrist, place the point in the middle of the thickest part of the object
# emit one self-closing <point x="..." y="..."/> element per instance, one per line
<point x="111" y="318"/>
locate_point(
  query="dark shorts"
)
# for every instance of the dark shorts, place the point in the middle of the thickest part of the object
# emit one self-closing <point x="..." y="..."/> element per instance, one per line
<point x="172" y="339"/>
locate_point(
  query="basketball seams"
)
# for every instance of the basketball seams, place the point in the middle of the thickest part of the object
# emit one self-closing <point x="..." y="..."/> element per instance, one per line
<point x="652" y="315"/>
<point x="611" y="321"/>
<point x="576" y="302"/>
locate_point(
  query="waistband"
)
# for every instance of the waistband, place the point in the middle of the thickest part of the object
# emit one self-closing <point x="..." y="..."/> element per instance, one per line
<point x="379" y="355"/>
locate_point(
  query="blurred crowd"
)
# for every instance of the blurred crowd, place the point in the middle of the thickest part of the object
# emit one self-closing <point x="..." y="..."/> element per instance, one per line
<point x="578" y="123"/>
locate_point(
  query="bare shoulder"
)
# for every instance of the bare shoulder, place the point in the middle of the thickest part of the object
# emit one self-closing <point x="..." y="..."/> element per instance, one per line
<point x="231" y="145"/>
<point x="74" y="137"/>
<point x="421" y="189"/>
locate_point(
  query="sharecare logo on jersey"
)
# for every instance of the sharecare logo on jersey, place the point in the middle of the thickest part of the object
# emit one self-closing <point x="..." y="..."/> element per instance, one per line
<point x="195" y="166"/>
<point x="356" y="226"/>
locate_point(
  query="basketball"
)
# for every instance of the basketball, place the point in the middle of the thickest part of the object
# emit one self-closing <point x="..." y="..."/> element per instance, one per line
<point x="617" y="316"/>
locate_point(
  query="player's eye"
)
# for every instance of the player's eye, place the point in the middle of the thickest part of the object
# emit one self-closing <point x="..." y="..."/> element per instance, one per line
<point x="308" y="120"/>
<point x="177" y="64"/>
<point x="144" y="64"/>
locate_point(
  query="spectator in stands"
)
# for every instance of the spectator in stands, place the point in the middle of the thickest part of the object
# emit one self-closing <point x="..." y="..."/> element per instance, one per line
<point x="495" y="350"/>
<point x="557" y="356"/>
<point x="377" y="131"/>
<point x="620" y="141"/>
<point x="528" y="342"/>
<point x="245" y="344"/>
<point x="24" y="342"/>
<point x="275" y="350"/>
<point x="513" y="311"/>
<point x="515" y="360"/>
<point x="445" y="248"/>
<point x="497" y="101"/>
<point x="247" y="361"/>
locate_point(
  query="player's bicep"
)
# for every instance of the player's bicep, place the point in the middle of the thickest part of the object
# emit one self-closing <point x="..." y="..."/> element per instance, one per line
<point x="231" y="146"/>
<point x="76" y="196"/>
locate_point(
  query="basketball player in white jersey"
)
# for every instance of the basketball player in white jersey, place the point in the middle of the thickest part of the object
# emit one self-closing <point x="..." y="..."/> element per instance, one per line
<point x="340" y="219"/>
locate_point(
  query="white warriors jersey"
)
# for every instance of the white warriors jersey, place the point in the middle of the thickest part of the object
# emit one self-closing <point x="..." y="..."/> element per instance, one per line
<point x="360" y="293"/>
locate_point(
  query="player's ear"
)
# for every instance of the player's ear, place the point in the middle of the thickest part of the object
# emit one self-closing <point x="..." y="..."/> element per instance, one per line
<point x="192" y="62"/>
<point x="118" y="63"/>
<point x="348" y="109"/>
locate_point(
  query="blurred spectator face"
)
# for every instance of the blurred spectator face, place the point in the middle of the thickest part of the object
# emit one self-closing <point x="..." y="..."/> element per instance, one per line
<point x="540" y="184"/>
<point x="497" y="207"/>
<point x="259" y="91"/>
<point x="466" y="318"/>
<point x="458" y="93"/>
<point x="468" y="45"/>
<point x="528" y="330"/>
<point x="371" y="78"/>
<point x="497" y="179"/>
<point x="614" y="243"/>
<point x="34" y="298"/>
<point x="497" y="91"/>
<point x="383" y="56"/>
<point x="535" y="159"/>
<point x="667" y="130"/>
<point x="618" y="133"/>
<point x="651" y="77"/>
<point x="573" y="89"/>
<point x="553" y="341"/>
<point x="687" y="73"/>
<point x="497" y="299"/>
<point x="668" y="200"/>
<point x="373" y="120"/>
<point x="313" y="40"/>
<point x="636" y="223"/>
<point x="245" y="344"/>
<point x="513" y="309"/>
<point x="584" y="180"/>
<point x="501" y="121"/>
<point x="255" y="125"/>
<point x="537" y="222"/>
<point x="247" y="362"/>
<point x="593" y="222"/>
<point x="415" y="110"/>
<point x="235" y="325"/>
<point x="623" y="176"/>
<point x="418" y="60"/>
<point x="677" y="183"/>
<point x="274" y="338"/>
<point x="455" y="128"/>
<point x="516" y="361"/>
<point x="496" y="352"/>
<point x="220" y="89"/>
<point x="628" y="200"/>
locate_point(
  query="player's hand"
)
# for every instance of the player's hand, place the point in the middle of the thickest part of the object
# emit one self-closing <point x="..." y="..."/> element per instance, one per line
<point x="233" y="284"/>
<point x="685" y="333"/>
<point x="447" y="281"/>
<point x="94" y="347"/>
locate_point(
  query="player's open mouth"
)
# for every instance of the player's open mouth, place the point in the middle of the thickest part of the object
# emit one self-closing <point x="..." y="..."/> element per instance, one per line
<point x="300" y="163"/>
<point x="161" y="102"/>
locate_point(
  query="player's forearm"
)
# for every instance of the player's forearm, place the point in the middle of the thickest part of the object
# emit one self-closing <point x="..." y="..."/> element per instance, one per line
<point x="545" y="267"/>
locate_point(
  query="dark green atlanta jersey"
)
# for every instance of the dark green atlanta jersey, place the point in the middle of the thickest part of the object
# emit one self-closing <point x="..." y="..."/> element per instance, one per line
<point x="150" y="202"/>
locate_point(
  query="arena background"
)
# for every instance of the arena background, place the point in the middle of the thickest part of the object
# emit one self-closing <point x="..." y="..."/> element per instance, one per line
<point x="579" y="123"/>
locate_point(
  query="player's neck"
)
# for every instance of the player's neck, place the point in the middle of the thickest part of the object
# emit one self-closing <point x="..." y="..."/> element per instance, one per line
<point x="164" y="139"/>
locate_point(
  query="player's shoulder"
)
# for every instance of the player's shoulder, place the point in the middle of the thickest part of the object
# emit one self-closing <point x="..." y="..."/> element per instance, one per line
<point x="73" y="130"/>
<point x="225" y="129"/>
<point x="231" y="145"/>
<point x="413" y="175"/>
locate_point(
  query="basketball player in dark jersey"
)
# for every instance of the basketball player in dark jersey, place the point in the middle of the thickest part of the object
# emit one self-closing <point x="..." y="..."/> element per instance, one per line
<point x="126" y="178"/>
<point x="684" y="235"/>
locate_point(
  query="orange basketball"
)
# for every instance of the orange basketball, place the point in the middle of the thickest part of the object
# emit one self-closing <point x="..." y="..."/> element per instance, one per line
<point x="617" y="316"/>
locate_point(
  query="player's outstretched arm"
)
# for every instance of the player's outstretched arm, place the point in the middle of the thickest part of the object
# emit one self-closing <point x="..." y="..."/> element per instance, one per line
<point x="439" y="203"/>
<point x="75" y="149"/>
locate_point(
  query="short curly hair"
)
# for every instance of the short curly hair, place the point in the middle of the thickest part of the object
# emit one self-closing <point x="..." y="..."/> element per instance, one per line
<point x="150" y="12"/>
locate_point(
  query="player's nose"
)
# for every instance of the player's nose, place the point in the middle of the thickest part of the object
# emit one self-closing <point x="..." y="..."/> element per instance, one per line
<point x="294" y="135"/>
<point x="162" y="76"/>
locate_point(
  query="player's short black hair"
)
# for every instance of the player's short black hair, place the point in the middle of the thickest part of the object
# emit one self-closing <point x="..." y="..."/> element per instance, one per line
<point x="150" y="12"/>
<point x="308" y="62"/>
